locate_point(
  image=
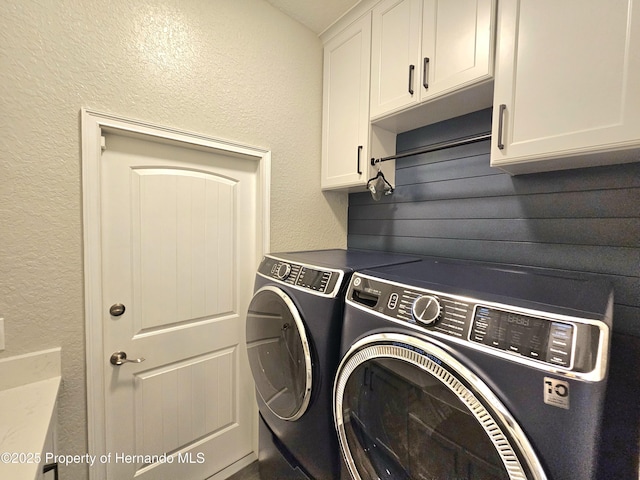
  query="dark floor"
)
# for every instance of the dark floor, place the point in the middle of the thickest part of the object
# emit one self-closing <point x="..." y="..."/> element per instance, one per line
<point x="250" y="472"/>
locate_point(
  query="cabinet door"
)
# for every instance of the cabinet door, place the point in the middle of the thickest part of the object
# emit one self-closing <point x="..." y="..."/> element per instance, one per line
<point x="345" y="120"/>
<point x="395" y="69"/>
<point x="457" y="44"/>
<point x="566" y="84"/>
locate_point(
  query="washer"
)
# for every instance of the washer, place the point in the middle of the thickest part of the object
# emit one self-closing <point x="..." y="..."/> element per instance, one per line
<point x="293" y="335"/>
<point x="460" y="371"/>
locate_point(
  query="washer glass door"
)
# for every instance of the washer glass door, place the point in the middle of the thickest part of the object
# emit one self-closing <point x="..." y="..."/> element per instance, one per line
<point x="279" y="353"/>
<point x="405" y="410"/>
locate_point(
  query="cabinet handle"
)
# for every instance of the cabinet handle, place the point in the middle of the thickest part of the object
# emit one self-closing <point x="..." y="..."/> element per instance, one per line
<point x="411" y="69"/>
<point x="425" y="73"/>
<point x="359" y="152"/>
<point x="503" y="107"/>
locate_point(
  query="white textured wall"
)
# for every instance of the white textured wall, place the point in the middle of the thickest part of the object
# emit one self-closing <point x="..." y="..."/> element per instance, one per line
<point x="232" y="69"/>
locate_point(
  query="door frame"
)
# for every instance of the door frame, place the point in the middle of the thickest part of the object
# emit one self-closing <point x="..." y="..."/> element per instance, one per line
<point x="93" y="124"/>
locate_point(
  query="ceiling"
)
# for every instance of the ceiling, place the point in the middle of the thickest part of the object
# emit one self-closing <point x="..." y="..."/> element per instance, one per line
<point x="314" y="14"/>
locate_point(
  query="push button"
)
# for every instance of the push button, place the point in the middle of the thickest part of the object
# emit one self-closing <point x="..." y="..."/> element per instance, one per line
<point x="393" y="301"/>
<point x="560" y="340"/>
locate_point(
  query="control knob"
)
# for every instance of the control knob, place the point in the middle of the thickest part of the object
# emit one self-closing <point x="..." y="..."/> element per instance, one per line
<point x="426" y="309"/>
<point x="283" y="271"/>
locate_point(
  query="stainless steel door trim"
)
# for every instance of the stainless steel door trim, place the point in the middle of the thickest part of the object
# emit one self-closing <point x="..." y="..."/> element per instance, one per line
<point x="295" y="314"/>
<point x="385" y="345"/>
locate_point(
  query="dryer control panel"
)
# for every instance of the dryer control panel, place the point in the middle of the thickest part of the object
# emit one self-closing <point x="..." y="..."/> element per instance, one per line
<point x="313" y="279"/>
<point x="535" y="337"/>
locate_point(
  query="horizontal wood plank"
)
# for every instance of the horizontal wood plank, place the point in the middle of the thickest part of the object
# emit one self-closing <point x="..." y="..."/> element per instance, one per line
<point x="605" y="232"/>
<point x="596" y="204"/>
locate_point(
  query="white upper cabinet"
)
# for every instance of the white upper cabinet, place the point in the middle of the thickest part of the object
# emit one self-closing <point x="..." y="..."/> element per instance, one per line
<point x="348" y="140"/>
<point x="567" y="84"/>
<point x="457" y="41"/>
<point x="396" y="53"/>
<point x="345" y="118"/>
<point x="424" y="49"/>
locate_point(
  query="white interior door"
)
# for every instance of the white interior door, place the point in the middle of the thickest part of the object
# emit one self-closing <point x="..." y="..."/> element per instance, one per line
<point x="179" y="253"/>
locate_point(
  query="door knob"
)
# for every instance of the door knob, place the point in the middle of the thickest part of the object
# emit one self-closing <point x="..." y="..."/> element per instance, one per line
<point x="118" y="358"/>
<point x="117" y="309"/>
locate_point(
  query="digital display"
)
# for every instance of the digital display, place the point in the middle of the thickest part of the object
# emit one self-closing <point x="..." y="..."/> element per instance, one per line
<point x="314" y="279"/>
<point x="532" y="337"/>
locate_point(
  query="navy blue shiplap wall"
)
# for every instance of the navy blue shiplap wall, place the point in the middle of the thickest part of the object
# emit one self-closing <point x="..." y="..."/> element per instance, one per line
<point x="452" y="204"/>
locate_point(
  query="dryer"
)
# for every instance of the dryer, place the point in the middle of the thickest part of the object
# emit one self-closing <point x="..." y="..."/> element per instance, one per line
<point x="293" y="333"/>
<point x="459" y="371"/>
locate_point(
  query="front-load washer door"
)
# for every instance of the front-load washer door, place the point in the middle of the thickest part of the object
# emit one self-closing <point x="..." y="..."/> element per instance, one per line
<point x="279" y="353"/>
<point x="406" y="409"/>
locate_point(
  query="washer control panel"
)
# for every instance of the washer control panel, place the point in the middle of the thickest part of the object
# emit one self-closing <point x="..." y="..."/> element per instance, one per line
<point x="509" y="331"/>
<point x="310" y="278"/>
<point x="533" y="337"/>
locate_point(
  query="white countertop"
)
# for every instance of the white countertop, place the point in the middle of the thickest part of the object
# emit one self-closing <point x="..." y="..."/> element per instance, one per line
<point x="29" y="387"/>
